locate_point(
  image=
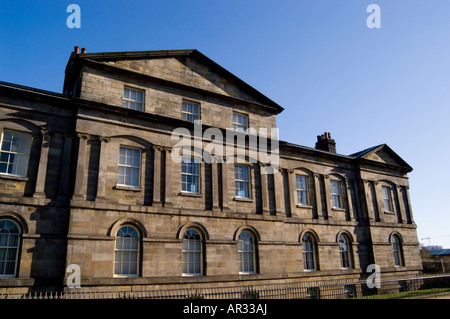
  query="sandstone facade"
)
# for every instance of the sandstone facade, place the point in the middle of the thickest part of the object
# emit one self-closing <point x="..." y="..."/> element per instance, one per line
<point x="70" y="207"/>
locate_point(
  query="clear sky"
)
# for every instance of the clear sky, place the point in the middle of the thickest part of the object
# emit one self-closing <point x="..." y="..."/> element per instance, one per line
<point x="316" y="58"/>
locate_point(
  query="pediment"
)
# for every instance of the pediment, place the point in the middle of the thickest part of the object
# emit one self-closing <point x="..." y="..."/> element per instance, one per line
<point x="382" y="154"/>
<point x="186" y="67"/>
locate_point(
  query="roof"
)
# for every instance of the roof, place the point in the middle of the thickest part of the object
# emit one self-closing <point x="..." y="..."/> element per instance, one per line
<point x="440" y="252"/>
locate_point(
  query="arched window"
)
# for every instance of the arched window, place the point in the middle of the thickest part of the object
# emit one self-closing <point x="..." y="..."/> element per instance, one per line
<point x="9" y="248"/>
<point x="126" y="260"/>
<point x="247" y="253"/>
<point x="309" y="252"/>
<point x="397" y="250"/>
<point x="345" y="251"/>
<point x="192" y="252"/>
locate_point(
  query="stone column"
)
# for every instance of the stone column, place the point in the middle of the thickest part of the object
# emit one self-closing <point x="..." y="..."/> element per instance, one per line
<point x="326" y="182"/>
<point x="398" y="195"/>
<point x="408" y="202"/>
<point x="292" y="193"/>
<point x="378" y="197"/>
<point x="168" y="194"/>
<point x="157" y="167"/>
<point x="80" y="179"/>
<point x="225" y="187"/>
<point x="278" y="185"/>
<point x="318" y="196"/>
<point x="102" y="169"/>
<point x="215" y="182"/>
<point x="349" y="200"/>
<point x="264" y="189"/>
<point x="368" y="201"/>
<point x="39" y="191"/>
<point x="65" y="167"/>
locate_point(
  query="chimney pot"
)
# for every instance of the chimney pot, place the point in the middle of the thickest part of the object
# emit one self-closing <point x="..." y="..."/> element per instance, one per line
<point x="83" y="50"/>
<point x="76" y="49"/>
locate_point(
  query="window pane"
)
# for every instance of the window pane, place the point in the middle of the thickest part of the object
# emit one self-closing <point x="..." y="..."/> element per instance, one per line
<point x="15" y="151"/>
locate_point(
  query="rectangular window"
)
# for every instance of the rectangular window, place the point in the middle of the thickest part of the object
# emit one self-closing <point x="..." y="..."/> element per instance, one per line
<point x="242" y="180"/>
<point x="129" y="166"/>
<point x="387" y="198"/>
<point x="336" y="194"/>
<point x="133" y="99"/>
<point x="190" y="111"/>
<point x="15" y="152"/>
<point x="302" y="189"/>
<point x="240" y="122"/>
<point x="190" y="171"/>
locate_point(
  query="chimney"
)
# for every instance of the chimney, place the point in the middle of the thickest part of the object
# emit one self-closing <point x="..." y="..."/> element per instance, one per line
<point x="76" y="49"/>
<point x="326" y="143"/>
<point x="83" y="50"/>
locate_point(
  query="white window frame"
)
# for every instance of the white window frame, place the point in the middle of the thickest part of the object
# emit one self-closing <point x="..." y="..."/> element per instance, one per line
<point x="20" y="156"/>
<point x="345" y="252"/>
<point x="247" y="253"/>
<point x="196" y="252"/>
<point x="337" y="195"/>
<point x="188" y="113"/>
<point x="309" y="252"/>
<point x="302" y="190"/>
<point x="397" y="251"/>
<point x="119" y="252"/>
<point x="7" y="243"/>
<point x="131" y="166"/>
<point x="387" y="198"/>
<point x="129" y="103"/>
<point x="238" y="124"/>
<point x="192" y="171"/>
<point x="239" y="181"/>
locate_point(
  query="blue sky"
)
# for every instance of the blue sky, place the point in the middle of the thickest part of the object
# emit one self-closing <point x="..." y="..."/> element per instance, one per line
<point x="317" y="59"/>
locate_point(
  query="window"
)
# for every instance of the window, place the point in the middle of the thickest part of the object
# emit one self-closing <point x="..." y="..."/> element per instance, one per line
<point x="302" y="189"/>
<point x="9" y="248"/>
<point x="336" y="194"/>
<point x="397" y="250"/>
<point x="345" y="251"/>
<point x="242" y="180"/>
<point x="190" y="111"/>
<point x="246" y="251"/>
<point x="192" y="253"/>
<point x="15" y="152"/>
<point x="309" y="258"/>
<point x="129" y="166"/>
<point x="240" y="122"/>
<point x="190" y="171"/>
<point x="133" y="99"/>
<point x="127" y="252"/>
<point x="387" y="198"/>
<point x="350" y="291"/>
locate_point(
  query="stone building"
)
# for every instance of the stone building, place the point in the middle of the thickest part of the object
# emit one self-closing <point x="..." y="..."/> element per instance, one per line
<point x="88" y="178"/>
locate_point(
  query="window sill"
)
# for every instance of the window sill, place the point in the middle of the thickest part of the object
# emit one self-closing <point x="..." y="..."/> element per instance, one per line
<point x="389" y="212"/>
<point x="13" y="177"/>
<point x="191" y="275"/>
<point x="247" y="273"/>
<point x="197" y="195"/>
<point x="338" y="209"/>
<point x="243" y="199"/>
<point x="128" y="188"/>
<point x="304" y="206"/>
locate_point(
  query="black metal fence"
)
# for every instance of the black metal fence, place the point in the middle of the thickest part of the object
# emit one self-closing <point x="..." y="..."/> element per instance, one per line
<point x="341" y="289"/>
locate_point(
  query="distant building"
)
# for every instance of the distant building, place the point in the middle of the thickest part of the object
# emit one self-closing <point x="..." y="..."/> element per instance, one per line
<point x="87" y="178"/>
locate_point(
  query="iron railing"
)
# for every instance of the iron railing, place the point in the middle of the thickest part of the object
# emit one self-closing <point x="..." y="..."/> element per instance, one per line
<point x="339" y="289"/>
